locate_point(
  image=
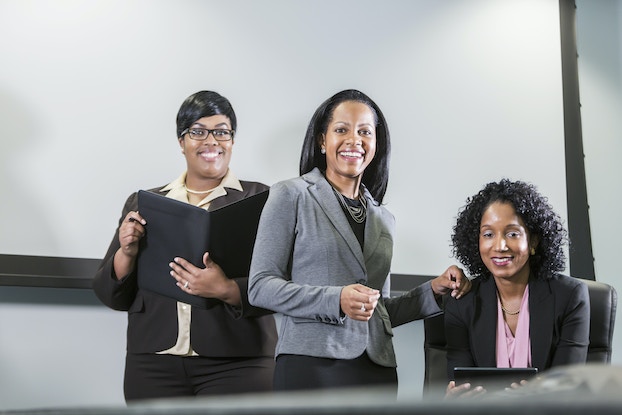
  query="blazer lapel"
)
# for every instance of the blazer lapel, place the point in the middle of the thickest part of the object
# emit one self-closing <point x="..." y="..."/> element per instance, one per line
<point x="373" y="226"/>
<point x="485" y="324"/>
<point x="323" y="194"/>
<point x="541" y="319"/>
<point x="232" y="196"/>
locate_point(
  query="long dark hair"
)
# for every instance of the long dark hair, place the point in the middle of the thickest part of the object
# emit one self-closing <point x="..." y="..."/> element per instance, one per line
<point x="533" y="208"/>
<point x="204" y="104"/>
<point x="376" y="175"/>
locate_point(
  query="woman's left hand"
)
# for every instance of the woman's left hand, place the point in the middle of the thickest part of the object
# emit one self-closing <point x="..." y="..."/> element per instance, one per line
<point x="452" y="280"/>
<point x="358" y="301"/>
<point x="209" y="282"/>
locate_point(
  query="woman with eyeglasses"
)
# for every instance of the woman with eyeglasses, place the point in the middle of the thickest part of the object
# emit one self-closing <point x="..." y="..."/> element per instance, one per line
<point x="173" y="348"/>
<point x="323" y="255"/>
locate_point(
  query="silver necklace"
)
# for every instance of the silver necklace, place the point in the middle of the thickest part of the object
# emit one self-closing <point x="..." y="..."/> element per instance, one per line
<point x="358" y="213"/>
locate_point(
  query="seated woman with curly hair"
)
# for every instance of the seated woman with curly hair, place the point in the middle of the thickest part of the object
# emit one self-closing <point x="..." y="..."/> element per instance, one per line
<point x="520" y="311"/>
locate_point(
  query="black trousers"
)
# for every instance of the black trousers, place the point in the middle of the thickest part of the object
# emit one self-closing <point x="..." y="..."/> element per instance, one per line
<point x="295" y="372"/>
<point x="149" y="376"/>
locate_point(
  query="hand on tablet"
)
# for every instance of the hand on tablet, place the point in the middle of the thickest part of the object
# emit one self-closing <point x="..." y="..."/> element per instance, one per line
<point x="463" y="390"/>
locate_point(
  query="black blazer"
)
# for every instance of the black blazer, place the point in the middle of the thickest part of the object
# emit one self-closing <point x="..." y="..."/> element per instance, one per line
<point x="220" y="331"/>
<point x="559" y="324"/>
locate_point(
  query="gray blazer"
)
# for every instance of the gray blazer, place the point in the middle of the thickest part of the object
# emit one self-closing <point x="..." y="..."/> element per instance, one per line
<point x="305" y="252"/>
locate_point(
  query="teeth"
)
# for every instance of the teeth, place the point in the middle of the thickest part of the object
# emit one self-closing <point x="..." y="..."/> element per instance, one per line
<point x="351" y="154"/>
<point x="501" y="261"/>
<point x="210" y="155"/>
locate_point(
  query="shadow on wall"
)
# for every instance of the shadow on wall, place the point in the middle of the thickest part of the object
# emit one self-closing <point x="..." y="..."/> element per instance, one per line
<point x="20" y="132"/>
<point x="48" y="296"/>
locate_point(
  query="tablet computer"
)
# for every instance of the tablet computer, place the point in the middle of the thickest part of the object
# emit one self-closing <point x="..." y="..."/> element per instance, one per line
<point x="493" y="378"/>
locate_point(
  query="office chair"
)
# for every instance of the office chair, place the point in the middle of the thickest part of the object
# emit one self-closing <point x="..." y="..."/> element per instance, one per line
<point x="603" y="305"/>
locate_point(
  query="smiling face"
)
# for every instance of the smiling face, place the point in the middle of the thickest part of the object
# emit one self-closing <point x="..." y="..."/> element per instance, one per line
<point x="504" y="242"/>
<point x="349" y="142"/>
<point x="207" y="160"/>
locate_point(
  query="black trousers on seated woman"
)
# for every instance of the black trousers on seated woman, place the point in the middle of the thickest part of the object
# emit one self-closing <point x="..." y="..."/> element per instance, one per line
<point x="150" y="376"/>
<point x="295" y="372"/>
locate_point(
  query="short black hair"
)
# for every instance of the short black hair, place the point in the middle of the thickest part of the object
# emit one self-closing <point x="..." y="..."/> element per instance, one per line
<point x="535" y="211"/>
<point x="204" y="104"/>
<point x="376" y="175"/>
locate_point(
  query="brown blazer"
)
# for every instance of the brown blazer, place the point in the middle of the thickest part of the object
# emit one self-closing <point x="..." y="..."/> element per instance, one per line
<point x="220" y="331"/>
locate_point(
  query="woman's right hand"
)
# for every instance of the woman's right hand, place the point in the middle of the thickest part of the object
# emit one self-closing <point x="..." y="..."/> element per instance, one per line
<point x="131" y="231"/>
<point x="463" y="391"/>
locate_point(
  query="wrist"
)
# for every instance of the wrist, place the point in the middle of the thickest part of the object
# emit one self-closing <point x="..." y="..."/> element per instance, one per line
<point x="231" y="293"/>
<point x="123" y="263"/>
<point x="434" y="286"/>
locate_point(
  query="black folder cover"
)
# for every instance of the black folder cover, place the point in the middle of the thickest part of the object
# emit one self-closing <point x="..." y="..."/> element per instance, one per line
<point x="178" y="229"/>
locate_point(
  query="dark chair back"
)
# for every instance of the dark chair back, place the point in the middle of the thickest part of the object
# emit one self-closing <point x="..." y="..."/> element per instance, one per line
<point x="435" y="355"/>
<point x="603" y="305"/>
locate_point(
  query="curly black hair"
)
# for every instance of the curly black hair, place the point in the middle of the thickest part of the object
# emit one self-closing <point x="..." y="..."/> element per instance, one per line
<point x="533" y="208"/>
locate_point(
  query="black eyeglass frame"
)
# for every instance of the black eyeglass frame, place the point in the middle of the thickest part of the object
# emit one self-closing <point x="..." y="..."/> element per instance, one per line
<point x="216" y="137"/>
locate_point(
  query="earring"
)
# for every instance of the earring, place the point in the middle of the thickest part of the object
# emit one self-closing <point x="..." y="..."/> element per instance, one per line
<point x="323" y="150"/>
<point x="532" y="251"/>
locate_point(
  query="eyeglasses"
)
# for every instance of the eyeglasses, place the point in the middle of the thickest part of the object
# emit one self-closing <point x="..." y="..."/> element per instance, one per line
<point x="201" y="134"/>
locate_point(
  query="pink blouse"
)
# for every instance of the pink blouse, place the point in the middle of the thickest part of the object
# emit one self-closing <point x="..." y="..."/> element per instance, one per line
<point x="514" y="350"/>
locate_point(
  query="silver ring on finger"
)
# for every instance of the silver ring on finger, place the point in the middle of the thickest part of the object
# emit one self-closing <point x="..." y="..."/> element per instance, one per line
<point x="186" y="284"/>
<point x="363" y="307"/>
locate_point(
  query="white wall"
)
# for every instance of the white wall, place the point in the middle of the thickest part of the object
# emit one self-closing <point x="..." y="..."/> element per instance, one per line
<point x="59" y="348"/>
<point x="88" y="97"/>
<point x="599" y="42"/>
<point x="89" y="92"/>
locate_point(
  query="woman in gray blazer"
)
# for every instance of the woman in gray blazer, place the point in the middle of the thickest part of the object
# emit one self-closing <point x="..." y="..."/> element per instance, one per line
<point x="323" y="254"/>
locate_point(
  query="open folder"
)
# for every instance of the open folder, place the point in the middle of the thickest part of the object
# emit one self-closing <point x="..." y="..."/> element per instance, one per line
<point x="178" y="229"/>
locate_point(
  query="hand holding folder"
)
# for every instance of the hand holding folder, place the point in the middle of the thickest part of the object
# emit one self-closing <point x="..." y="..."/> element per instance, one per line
<point x="178" y="229"/>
